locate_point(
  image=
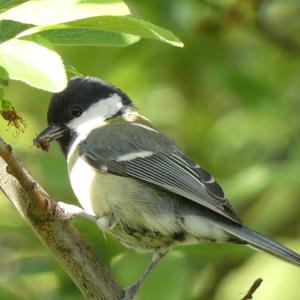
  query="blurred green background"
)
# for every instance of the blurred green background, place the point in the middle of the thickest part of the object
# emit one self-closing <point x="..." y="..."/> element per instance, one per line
<point x="230" y="99"/>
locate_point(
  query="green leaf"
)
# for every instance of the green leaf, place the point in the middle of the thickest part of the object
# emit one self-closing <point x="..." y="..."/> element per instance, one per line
<point x="35" y="65"/>
<point x="4" y="79"/>
<point x="57" y="16"/>
<point x="49" y="12"/>
<point x="7" y="4"/>
<point x="3" y="73"/>
<point x="130" y="25"/>
<point x="9" y="29"/>
<point x="117" y="24"/>
<point x="86" y="36"/>
<point x="38" y="39"/>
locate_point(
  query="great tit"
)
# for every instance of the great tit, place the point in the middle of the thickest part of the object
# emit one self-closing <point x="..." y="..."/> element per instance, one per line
<point x="134" y="182"/>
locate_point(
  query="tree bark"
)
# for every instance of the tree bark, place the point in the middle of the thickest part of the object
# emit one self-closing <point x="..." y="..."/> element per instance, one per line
<point x="62" y="240"/>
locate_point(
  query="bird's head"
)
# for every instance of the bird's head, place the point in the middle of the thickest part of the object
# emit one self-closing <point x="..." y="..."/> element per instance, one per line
<point x="85" y="104"/>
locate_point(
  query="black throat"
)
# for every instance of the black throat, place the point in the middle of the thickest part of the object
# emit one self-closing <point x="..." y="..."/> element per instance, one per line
<point x="66" y="141"/>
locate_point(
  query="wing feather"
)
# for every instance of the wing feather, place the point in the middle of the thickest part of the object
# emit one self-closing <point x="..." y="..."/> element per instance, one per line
<point x="169" y="170"/>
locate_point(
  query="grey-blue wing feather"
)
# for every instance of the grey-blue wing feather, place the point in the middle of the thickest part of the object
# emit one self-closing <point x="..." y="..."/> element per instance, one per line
<point x="167" y="166"/>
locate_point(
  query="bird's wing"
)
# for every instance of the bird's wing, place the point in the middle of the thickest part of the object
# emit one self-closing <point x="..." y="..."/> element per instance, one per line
<point x="156" y="160"/>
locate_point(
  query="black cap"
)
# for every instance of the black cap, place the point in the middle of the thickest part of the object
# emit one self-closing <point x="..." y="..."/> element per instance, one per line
<point x="81" y="91"/>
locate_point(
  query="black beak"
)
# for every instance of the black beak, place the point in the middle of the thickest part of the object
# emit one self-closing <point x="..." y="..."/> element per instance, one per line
<point x="51" y="133"/>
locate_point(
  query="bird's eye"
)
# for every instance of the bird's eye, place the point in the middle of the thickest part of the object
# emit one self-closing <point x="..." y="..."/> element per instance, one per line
<point x="76" y="111"/>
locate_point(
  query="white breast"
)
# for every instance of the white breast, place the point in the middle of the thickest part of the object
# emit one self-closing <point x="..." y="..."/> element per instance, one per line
<point x="82" y="176"/>
<point x="130" y="201"/>
<point x="99" y="193"/>
<point x="103" y="193"/>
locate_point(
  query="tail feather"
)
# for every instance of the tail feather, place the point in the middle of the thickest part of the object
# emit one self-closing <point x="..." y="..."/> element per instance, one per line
<point x="261" y="242"/>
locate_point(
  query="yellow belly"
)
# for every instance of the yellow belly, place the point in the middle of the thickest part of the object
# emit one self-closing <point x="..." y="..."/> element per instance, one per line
<point x="130" y="201"/>
<point x="146" y="217"/>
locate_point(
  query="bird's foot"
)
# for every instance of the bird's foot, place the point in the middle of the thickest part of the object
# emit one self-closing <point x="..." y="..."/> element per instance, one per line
<point x="130" y="291"/>
<point x="70" y="210"/>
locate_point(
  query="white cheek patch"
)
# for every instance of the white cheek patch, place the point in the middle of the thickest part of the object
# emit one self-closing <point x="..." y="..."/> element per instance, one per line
<point x="134" y="155"/>
<point x="96" y="114"/>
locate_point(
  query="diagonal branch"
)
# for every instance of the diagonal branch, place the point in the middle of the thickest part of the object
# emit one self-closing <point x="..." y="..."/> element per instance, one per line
<point x="42" y="214"/>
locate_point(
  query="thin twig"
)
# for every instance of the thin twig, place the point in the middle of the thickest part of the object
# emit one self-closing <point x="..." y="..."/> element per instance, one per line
<point x="72" y="252"/>
<point x="255" y="285"/>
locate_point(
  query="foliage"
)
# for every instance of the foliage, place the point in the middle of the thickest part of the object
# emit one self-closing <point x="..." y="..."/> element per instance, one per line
<point x="229" y="98"/>
<point x="30" y="31"/>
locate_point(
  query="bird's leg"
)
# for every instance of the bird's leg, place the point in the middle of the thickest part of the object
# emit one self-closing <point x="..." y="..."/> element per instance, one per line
<point x="130" y="291"/>
<point x="70" y="210"/>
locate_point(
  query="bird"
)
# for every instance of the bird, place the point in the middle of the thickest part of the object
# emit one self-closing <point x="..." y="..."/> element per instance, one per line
<point x="134" y="182"/>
